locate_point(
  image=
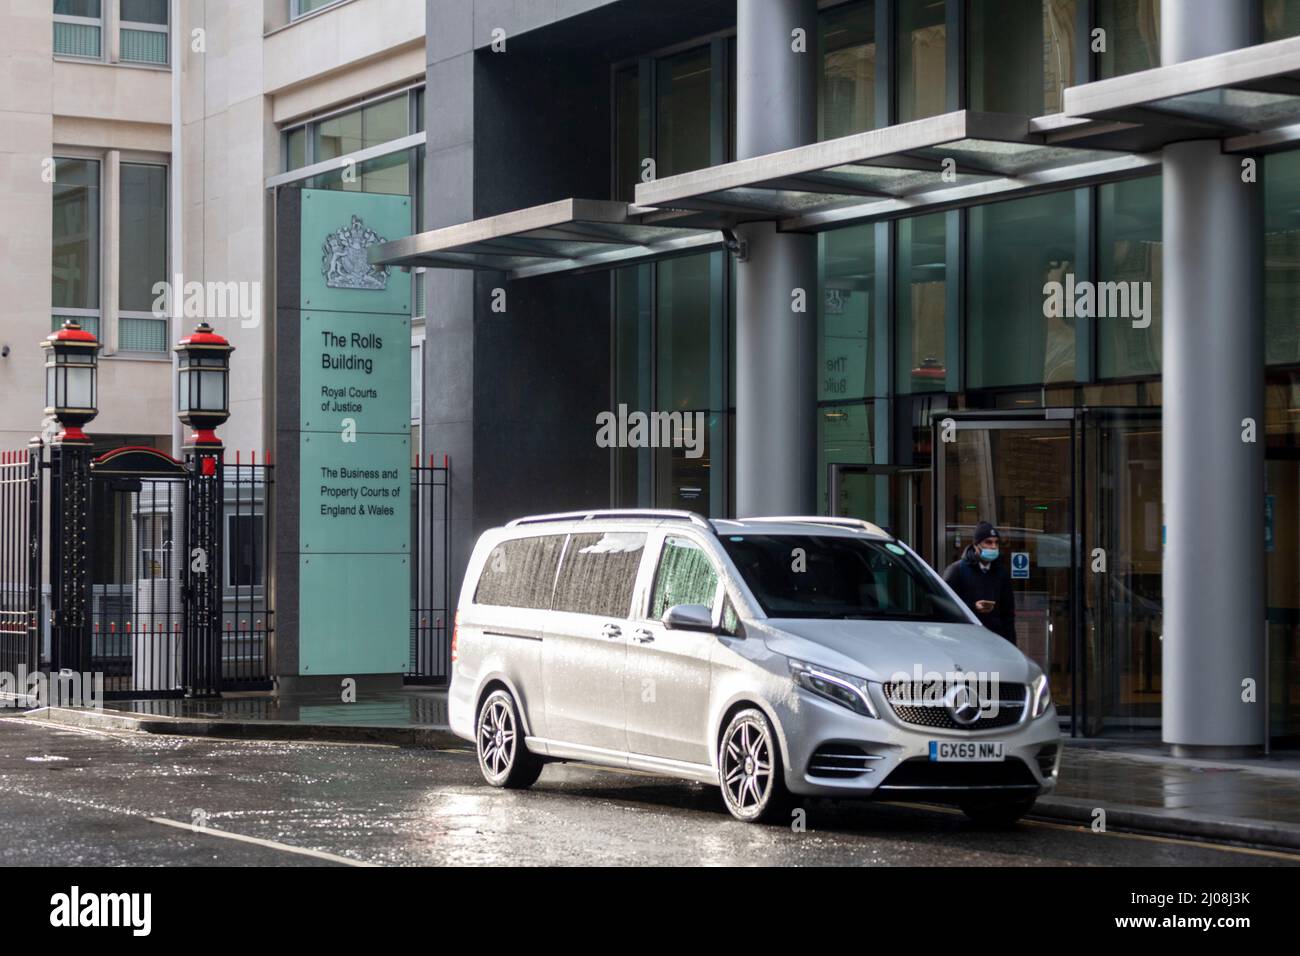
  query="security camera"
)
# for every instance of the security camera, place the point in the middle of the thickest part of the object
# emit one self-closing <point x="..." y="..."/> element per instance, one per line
<point x="4" y="351"/>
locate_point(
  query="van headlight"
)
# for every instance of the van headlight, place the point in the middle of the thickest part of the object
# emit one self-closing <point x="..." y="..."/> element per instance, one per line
<point x="1042" y="695"/>
<point x="844" y="689"/>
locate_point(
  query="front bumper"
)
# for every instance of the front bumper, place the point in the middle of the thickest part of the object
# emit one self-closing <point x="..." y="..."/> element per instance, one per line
<point x="832" y="752"/>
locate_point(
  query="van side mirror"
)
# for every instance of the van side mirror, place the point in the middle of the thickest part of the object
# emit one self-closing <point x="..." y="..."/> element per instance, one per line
<point x="688" y="617"/>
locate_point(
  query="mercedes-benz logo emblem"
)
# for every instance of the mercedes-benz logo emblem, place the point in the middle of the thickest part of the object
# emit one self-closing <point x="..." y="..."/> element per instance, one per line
<point x="963" y="703"/>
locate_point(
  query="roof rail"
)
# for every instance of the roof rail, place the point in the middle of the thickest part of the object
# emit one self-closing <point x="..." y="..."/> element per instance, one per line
<point x="626" y="513"/>
<point x="825" y="519"/>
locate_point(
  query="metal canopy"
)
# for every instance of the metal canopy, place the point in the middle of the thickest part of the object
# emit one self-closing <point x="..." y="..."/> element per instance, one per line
<point x="881" y="170"/>
<point x="1242" y="91"/>
<point x="566" y="236"/>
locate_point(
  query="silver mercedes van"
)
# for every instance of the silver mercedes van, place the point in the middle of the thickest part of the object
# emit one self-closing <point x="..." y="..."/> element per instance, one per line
<point x="774" y="658"/>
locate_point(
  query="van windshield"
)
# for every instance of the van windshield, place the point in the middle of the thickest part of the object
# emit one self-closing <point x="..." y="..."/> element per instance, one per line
<point x="838" y="576"/>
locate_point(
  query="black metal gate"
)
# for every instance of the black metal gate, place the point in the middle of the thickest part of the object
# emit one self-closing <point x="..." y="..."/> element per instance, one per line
<point x="140" y="528"/>
<point x="430" y="573"/>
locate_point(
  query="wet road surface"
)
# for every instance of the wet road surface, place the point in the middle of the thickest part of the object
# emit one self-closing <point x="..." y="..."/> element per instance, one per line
<point x="82" y="797"/>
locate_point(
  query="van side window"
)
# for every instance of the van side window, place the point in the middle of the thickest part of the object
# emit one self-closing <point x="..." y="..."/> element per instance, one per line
<point x="685" y="576"/>
<point x="520" y="573"/>
<point x="599" y="573"/>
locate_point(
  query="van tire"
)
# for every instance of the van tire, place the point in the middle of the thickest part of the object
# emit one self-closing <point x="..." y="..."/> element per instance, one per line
<point x="503" y="759"/>
<point x="747" y="746"/>
<point x="997" y="813"/>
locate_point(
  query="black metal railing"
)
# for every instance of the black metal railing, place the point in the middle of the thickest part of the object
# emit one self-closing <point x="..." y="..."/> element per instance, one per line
<point x="430" y="573"/>
<point x="21" y="485"/>
<point x="247" y="618"/>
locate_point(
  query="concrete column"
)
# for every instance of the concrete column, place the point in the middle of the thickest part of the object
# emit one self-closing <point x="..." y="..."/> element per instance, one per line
<point x="776" y="346"/>
<point x="1213" y="382"/>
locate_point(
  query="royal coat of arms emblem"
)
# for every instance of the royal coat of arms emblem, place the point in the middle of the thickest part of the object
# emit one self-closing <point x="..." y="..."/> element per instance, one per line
<point x="345" y="264"/>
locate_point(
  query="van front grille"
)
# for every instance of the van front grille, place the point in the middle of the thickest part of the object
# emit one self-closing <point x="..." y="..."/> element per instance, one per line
<point x="927" y="712"/>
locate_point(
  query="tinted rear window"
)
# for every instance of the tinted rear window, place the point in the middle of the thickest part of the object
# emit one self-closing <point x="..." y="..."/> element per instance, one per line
<point x="839" y="577"/>
<point x="599" y="573"/>
<point x="520" y="573"/>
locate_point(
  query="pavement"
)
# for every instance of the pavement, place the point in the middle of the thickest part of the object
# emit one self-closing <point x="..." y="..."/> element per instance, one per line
<point x="1131" y="785"/>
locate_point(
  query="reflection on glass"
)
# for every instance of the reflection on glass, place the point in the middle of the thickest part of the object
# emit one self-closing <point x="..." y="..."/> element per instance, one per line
<point x="1282" y="257"/>
<point x="143" y="246"/>
<point x="847" y="97"/>
<point x="847" y="258"/>
<point x="369" y="126"/>
<point x="1129" y="246"/>
<point x="1281" y="19"/>
<point x="844" y="437"/>
<point x="683" y="112"/>
<point x="75" y="266"/>
<point x="384" y="174"/>
<point x="632" y="378"/>
<point x="1016" y="248"/>
<point x="1132" y="36"/>
<point x="690" y="351"/>
<point x="627" y="134"/>
<point x="922" y="297"/>
<point x="922" y="74"/>
<point x="1021" y="55"/>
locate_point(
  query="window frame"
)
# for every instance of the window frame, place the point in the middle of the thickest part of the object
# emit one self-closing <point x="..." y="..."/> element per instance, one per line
<point x="141" y="26"/>
<point x="100" y="23"/>
<point x="139" y="314"/>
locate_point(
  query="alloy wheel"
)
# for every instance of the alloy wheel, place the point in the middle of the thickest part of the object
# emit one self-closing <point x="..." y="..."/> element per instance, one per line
<point x="747" y="767"/>
<point x="496" y="738"/>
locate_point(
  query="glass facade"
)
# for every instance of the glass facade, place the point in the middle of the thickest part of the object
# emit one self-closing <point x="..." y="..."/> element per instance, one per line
<point x="846" y="95"/>
<point x="992" y="316"/>
<point x="921" y="47"/>
<point x="1130" y="39"/>
<point x="1015" y="249"/>
<point x="1022" y="55"/>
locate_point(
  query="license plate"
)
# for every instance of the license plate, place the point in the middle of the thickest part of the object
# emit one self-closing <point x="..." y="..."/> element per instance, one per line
<point x="967" y="751"/>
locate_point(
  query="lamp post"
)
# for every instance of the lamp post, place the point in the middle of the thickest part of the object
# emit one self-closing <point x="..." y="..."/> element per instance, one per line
<point x="71" y="395"/>
<point x="203" y="403"/>
<point x="203" y="386"/>
<point x="71" y="373"/>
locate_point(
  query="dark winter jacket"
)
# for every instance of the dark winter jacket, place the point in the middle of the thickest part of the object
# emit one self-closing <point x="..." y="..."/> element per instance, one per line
<point x="973" y="583"/>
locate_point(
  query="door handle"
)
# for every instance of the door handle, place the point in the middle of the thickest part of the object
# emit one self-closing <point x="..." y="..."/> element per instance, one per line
<point x="612" y="631"/>
<point x="642" y="636"/>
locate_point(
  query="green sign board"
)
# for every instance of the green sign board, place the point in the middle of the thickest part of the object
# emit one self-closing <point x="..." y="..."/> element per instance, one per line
<point x="355" y="496"/>
<point x="354" y="442"/>
<point x="356" y="373"/>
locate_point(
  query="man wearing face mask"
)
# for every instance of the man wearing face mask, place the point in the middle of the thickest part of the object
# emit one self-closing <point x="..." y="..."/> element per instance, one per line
<point x="984" y="583"/>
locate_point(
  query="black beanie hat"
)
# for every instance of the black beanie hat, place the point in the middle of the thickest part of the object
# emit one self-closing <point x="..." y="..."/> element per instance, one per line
<point x="984" y="530"/>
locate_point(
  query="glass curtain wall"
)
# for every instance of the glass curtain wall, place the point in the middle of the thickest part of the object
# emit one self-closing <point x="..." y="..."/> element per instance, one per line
<point x="672" y="325"/>
<point x="1014" y="250"/>
<point x="1021" y="54"/>
<point x="846" y="95"/>
<point x="921" y="75"/>
<point x="1131" y="36"/>
<point x="1282" y="423"/>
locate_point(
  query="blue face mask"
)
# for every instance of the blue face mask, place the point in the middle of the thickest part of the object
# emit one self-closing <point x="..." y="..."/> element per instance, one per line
<point x="988" y="554"/>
